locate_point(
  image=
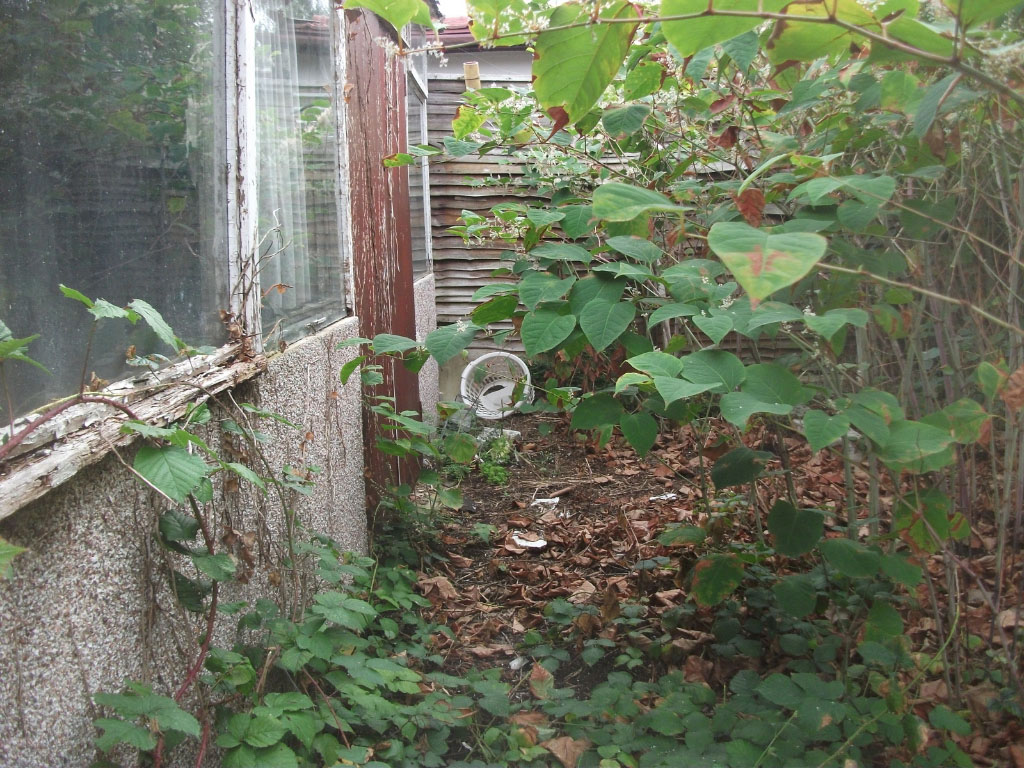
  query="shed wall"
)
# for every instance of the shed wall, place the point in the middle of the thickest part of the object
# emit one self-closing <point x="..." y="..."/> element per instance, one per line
<point x="89" y="606"/>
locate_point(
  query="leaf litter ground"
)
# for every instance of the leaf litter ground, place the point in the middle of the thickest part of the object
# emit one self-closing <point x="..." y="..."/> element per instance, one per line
<point x="581" y="524"/>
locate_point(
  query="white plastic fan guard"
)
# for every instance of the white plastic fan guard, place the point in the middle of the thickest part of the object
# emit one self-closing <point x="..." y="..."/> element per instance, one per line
<point x="489" y="383"/>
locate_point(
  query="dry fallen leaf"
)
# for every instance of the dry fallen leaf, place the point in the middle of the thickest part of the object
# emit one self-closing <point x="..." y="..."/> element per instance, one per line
<point x="1013" y="392"/>
<point x="567" y="750"/>
<point x="437" y="589"/>
<point x="750" y="204"/>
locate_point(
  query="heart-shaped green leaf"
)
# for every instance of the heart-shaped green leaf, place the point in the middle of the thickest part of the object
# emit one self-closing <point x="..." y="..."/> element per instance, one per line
<point x="657" y="363"/>
<point x="545" y="329"/>
<point x="719" y="369"/>
<point x="601" y="410"/>
<point x="715" y="577"/>
<point x="795" y="531"/>
<point x="614" y="201"/>
<point x="692" y="35"/>
<point x="572" y="66"/>
<point x="716" y="328"/>
<point x="672" y="389"/>
<point x="640" y="430"/>
<point x="538" y="287"/>
<point x="763" y="263"/>
<point x="822" y="430"/>
<point x="447" y="341"/>
<point x="604" y="321"/>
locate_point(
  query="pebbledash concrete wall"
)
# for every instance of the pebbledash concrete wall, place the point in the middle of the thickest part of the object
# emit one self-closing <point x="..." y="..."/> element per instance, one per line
<point x="89" y="606"/>
<point x="426" y="321"/>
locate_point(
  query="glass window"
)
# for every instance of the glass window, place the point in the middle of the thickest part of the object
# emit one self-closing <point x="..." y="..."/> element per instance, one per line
<point x="419" y="190"/>
<point x="108" y="181"/>
<point x="115" y="130"/>
<point x="296" y="151"/>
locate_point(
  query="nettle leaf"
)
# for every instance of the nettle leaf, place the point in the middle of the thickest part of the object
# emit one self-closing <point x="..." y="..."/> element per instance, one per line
<point x="545" y="329"/>
<point x="615" y="201"/>
<point x="763" y="263"/>
<point x="692" y="35"/>
<point x="217" y="567"/>
<point x="397" y="13"/>
<point x="640" y="431"/>
<point x="539" y="287"/>
<point x="739" y="466"/>
<point x="625" y="121"/>
<point x="715" y="578"/>
<point x="883" y="622"/>
<point x="943" y="717"/>
<point x="604" y="321"/>
<point x="601" y="410"/>
<point x="123" y="732"/>
<point x="449" y="340"/>
<point x="796" y="531"/>
<point x="821" y="430"/>
<point x="572" y="67"/>
<point x="155" y="321"/>
<point x="171" y="469"/>
<point x="175" y="527"/>
<point x="781" y="690"/>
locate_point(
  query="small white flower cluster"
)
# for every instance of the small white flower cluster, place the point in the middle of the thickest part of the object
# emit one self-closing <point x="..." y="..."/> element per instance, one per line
<point x="390" y="46"/>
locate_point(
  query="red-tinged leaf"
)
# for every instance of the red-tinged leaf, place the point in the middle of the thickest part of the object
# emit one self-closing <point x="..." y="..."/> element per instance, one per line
<point x="715" y="577"/>
<point x="1013" y="392"/>
<point x="726" y="139"/>
<point x="750" y="203"/>
<point x="560" y="119"/>
<point x="542" y="682"/>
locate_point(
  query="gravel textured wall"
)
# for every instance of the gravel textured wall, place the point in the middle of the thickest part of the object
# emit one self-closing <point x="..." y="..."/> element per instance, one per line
<point x="426" y="321"/>
<point x="89" y="605"/>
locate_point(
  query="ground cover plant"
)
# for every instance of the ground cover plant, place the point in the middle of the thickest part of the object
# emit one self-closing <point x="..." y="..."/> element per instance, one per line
<point x="774" y="309"/>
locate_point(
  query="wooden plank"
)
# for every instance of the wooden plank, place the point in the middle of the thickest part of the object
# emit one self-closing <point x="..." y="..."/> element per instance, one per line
<point x="381" y="236"/>
<point x="27" y="477"/>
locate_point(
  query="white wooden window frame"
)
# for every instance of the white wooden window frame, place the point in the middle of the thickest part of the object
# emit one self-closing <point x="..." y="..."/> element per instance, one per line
<point x="85" y="433"/>
<point x="416" y="88"/>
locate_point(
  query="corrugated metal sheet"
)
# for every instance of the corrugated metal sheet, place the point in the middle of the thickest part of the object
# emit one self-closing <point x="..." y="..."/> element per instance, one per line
<point x="461" y="268"/>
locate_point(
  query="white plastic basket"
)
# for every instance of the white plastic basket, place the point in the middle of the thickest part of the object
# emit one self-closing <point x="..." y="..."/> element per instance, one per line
<point x="489" y="384"/>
